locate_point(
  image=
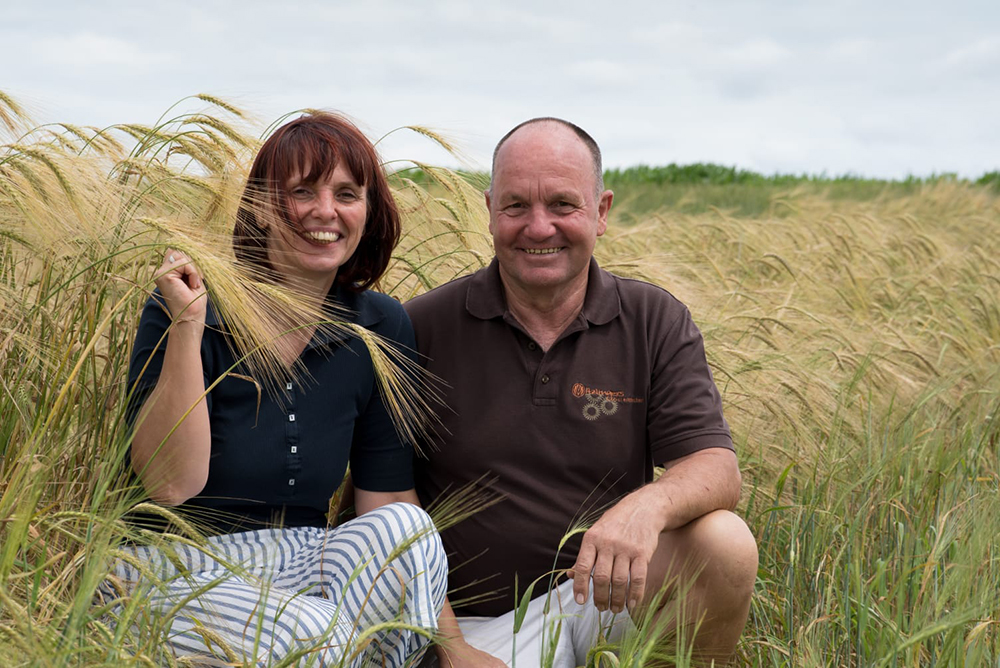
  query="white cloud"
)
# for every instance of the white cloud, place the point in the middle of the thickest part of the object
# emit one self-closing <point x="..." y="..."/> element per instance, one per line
<point x="756" y="53"/>
<point x="605" y="73"/>
<point x="670" y="34"/>
<point x="776" y="85"/>
<point x="88" y="49"/>
<point x="852" y="49"/>
<point x="981" y="53"/>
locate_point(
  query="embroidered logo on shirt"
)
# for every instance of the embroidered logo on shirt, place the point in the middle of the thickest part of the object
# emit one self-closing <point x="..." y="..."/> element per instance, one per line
<point x="601" y="402"/>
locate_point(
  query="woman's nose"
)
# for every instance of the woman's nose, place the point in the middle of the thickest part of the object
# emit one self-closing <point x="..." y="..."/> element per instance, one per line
<point x="326" y="204"/>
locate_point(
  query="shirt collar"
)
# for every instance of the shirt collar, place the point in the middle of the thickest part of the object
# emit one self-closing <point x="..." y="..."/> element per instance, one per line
<point x="485" y="298"/>
<point x="353" y="306"/>
<point x="346" y="306"/>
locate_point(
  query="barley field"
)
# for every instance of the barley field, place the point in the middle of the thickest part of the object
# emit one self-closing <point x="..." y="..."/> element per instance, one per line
<point x="853" y="327"/>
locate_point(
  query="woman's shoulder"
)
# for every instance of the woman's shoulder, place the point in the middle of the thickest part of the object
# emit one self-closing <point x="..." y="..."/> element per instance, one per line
<point x="383" y="315"/>
<point x="381" y="301"/>
<point x="368" y="308"/>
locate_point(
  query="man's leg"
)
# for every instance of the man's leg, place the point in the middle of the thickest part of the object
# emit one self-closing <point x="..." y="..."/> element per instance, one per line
<point x="556" y="632"/>
<point x="713" y="560"/>
<point x="709" y="567"/>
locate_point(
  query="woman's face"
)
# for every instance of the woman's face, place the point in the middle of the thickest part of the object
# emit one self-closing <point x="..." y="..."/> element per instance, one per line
<point x="328" y="221"/>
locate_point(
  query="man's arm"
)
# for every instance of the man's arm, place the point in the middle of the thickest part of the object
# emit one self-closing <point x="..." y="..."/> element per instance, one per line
<point x="619" y="546"/>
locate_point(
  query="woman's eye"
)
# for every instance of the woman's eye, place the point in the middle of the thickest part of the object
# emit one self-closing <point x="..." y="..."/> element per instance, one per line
<point x="348" y="195"/>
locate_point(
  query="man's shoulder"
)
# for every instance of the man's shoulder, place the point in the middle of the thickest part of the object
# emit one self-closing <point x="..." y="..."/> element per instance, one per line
<point x="445" y="297"/>
<point x="639" y="297"/>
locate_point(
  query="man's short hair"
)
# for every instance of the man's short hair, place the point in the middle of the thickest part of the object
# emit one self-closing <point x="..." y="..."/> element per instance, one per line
<point x="588" y="141"/>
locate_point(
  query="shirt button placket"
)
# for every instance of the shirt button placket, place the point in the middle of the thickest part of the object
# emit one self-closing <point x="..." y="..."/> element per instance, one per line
<point x="291" y="439"/>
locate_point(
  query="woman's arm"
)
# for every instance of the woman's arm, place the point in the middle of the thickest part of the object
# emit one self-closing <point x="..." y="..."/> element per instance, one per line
<point x="366" y="501"/>
<point x="174" y="468"/>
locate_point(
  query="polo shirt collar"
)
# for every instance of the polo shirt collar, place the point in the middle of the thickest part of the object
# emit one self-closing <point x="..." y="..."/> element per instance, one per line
<point x="602" y="303"/>
<point x="485" y="298"/>
<point x="353" y="306"/>
<point x="345" y="305"/>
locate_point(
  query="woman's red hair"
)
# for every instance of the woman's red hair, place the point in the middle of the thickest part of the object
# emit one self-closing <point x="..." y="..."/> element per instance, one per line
<point x="318" y="142"/>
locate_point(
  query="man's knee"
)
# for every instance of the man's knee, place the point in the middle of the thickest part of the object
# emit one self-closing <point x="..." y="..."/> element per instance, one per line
<point x="718" y="547"/>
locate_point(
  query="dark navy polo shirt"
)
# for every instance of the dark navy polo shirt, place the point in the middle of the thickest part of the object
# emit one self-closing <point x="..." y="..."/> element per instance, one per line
<point x="280" y="462"/>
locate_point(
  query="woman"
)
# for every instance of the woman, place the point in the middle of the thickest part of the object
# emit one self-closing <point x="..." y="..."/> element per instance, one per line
<point x="316" y="217"/>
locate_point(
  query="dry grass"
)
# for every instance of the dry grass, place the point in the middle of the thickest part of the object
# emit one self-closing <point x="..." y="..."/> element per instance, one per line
<point x="856" y="344"/>
<point x="85" y="218"/>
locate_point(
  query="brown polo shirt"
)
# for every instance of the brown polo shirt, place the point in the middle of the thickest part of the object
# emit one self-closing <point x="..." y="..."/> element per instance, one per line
<point x="566" y="432"/>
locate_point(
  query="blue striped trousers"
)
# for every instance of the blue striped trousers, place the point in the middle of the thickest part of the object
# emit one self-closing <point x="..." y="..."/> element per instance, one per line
<point x="356" y="595"/>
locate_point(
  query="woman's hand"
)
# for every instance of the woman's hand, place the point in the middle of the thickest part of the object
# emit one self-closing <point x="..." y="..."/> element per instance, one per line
<point x="172" y="444"/>
<point x="180" y="284"/>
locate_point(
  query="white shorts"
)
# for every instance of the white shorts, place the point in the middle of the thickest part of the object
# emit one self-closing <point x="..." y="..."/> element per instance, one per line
<point x="579" y="628"/>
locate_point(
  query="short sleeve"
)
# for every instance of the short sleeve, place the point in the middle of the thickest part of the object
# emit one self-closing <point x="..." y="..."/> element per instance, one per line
<point x="685" y="407"/>
<point x="380" y="460"/>
<point x="146" y="361"/>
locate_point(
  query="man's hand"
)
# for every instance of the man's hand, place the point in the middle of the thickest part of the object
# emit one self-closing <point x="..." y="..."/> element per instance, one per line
<point x="618" y="549"/>
<point x="460" y="654"/>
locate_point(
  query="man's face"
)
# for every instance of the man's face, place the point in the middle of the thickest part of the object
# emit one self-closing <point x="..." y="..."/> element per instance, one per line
<point x="545" y="213"/>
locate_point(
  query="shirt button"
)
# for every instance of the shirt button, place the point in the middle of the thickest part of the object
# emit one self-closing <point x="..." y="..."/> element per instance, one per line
<point x="295" y="449"/>
<point x="291" y="482"/>
<point x="288" y="387"/>
<point x="545" y="379"/>
<point x="531" y="345"/>
<point x="291" y="417"/>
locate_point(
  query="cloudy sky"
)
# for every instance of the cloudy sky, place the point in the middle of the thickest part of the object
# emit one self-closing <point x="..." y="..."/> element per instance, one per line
<point x="877" y="88"/>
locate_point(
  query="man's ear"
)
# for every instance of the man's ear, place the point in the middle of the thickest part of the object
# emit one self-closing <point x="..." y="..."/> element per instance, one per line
<point x="603" y="207"/>
<point x="489" y="207"/>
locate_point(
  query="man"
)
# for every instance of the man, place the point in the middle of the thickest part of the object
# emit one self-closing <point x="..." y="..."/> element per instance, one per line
<point x="567" y="385"/>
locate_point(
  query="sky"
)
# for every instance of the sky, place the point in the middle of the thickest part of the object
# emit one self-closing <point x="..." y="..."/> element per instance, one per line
<point x="872" y="88"/>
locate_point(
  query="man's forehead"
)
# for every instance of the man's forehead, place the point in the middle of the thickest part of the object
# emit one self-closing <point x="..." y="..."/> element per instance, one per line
<point x="524" y="187"/>
<point x="546" y="153"/>
<point x="541" y="133"/>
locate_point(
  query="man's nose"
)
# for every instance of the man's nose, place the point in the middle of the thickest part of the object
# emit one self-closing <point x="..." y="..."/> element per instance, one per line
<point x="539" y="223"/>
